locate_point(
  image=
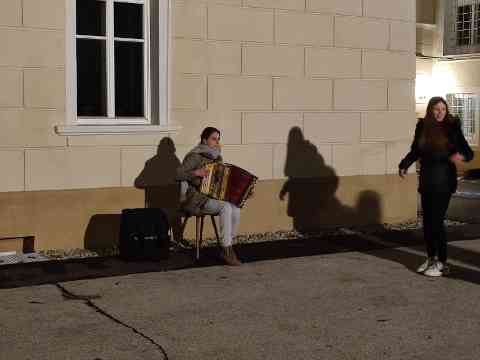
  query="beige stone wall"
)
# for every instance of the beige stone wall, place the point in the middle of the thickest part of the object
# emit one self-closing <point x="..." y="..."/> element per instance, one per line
<point x="342" y="71"/>
<point x="31" y="84"/>
<point x="90" y="217"/>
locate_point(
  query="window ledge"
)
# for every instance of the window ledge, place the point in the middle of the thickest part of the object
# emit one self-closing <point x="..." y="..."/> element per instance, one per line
<point x="73" y="130"/>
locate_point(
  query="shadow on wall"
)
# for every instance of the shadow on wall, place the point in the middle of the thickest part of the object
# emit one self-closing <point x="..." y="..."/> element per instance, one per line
<point x="311" y="189"/>
<point x="157" y="179"/>
<point x="102" y="232"/>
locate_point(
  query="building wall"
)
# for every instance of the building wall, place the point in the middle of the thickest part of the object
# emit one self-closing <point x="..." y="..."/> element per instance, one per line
<point x="339" y="73"/>
<point x="426" y="11"/>
<point x="462" y="78"/>
<point x="436" y="77"/>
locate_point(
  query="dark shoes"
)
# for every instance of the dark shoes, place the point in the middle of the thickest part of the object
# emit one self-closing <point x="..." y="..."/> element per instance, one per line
<point x="229" y="257"/>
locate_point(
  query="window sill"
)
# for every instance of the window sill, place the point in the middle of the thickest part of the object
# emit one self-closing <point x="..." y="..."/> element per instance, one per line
<point x="74" y="130"/>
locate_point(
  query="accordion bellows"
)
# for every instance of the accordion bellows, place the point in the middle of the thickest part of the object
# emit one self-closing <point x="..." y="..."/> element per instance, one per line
<point x="228" y="182"/>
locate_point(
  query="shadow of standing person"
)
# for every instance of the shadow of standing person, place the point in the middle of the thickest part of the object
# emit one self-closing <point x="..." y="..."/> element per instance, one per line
<point x="158" y="181"/>
<point x="311" y="187"/>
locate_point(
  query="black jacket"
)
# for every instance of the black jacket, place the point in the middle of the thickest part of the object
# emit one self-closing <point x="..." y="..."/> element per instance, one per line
<point x="437" y="172"/>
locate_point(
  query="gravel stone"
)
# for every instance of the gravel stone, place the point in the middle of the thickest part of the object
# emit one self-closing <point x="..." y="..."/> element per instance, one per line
<point x="411" y="225"/>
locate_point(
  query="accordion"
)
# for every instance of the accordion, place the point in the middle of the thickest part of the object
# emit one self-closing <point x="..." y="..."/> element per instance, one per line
<point x="228" y="182"/>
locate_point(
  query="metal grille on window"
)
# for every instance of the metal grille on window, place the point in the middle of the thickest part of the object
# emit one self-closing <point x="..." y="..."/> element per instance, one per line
<point x="476" y="24"/>
<point x="462" y="27"/>
<point x="465" y="106"/>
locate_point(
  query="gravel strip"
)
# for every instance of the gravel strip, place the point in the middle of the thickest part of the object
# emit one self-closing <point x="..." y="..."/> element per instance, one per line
<point x="254" y="238"/>
<point x="78" y="253"/>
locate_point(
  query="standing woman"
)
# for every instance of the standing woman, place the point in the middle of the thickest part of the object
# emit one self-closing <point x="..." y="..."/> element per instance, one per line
<point x="192" y="171"/>
<point x="438" y="143"/>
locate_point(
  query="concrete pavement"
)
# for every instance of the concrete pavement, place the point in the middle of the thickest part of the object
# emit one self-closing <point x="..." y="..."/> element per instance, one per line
<point x="351" y="305"/>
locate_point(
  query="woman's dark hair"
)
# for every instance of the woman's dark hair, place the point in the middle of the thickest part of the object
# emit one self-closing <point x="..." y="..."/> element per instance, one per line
<point x="207" y="132"/>
<point x="432" y="136"/>
<point x="431" y="104"/>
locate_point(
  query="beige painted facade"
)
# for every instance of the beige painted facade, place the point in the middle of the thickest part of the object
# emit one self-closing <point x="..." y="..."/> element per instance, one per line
<point x="340" y="72"/>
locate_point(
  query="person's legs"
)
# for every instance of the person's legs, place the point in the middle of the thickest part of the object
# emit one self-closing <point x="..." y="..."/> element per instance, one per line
<point x="226" y="225"/>
<point x="439" y="203"/>
<point x="235" y="220"/>
<point x="440" y="206"/>
<point x="224" y="210"/>
<point x="427" y="209"/>
<point x="227" y="215"/>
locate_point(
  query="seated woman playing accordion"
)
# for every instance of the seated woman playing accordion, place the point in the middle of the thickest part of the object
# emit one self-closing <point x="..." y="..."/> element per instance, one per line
<point x="193" y="171"/>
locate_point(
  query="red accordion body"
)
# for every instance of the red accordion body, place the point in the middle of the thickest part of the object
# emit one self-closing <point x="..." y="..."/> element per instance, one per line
<point x="228" y="182"/>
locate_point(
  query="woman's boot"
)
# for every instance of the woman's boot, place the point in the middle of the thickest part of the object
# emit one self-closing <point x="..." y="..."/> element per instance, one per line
<point x="228" y="255"/>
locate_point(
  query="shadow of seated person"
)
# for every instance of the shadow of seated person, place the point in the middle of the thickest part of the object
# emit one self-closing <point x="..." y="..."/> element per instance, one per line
<point x="157" y="179"/>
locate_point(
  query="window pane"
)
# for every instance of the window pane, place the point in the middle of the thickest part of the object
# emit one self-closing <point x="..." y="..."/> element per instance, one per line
<point x="129" y="20"/>
<point x="465" y="107"/>
<point x="129" y="79"/>
<point x="91" y="17"/>
<point x="464" y="25"/>
<point x="91" y="78"/>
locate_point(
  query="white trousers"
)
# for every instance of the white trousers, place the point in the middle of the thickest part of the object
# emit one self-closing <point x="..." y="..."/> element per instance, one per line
<point x="229" y="218"/>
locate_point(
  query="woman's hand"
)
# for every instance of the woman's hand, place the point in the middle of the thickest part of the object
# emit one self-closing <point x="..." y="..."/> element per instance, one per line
<point x="402" y="172"/>
<point x="457" y="157"/>
<point x="202" y="172"/>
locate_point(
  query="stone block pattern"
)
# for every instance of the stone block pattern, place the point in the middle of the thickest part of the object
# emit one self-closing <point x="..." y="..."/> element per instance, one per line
<point x="299" y="89"/>
<point x="332" y="76"/>
<point x="279" y="78"/>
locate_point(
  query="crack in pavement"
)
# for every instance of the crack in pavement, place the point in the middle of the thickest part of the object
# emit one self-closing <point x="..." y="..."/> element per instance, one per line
<point x="88" y="301"/>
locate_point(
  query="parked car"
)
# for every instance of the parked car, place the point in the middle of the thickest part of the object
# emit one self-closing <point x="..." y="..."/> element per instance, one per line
<point x="465" y="203"/>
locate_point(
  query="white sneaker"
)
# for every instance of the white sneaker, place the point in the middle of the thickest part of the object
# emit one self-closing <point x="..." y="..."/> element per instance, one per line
<point x="425" y="265"/>
<point x="435" y="269"/>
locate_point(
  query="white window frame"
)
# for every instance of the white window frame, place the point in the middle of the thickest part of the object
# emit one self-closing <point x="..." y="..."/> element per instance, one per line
<point x="98" y="125"/>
